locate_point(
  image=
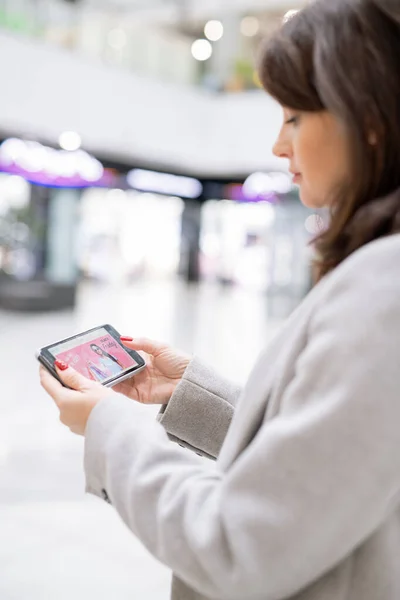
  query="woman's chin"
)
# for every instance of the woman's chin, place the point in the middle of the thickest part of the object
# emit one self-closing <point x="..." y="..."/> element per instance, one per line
<point x="309" y="200"/>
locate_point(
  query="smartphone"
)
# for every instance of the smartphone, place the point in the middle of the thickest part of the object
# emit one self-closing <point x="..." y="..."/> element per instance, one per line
<point x="98" y="354"/>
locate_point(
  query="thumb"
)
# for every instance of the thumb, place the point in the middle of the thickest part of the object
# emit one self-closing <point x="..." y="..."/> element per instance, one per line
<point x="149" y="346"/>
<point x="72" y="378"/>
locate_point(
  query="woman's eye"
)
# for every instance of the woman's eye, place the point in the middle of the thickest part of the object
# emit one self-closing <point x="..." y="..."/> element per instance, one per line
<point x="292" y="120"/>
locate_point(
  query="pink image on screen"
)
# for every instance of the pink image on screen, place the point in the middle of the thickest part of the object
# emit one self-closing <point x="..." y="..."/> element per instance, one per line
<point x="99" y="359"/>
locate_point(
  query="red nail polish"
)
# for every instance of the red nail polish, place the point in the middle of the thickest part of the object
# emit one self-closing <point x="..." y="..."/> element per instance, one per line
<point x="61" y="365"/>
<point x="125" y="338"/>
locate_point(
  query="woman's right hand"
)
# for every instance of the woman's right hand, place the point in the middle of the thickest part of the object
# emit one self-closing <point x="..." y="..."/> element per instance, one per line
<point x="164" y="370"/>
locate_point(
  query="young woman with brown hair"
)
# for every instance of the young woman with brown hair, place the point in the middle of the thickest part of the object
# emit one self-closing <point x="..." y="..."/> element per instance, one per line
<point x="303" y="499"/>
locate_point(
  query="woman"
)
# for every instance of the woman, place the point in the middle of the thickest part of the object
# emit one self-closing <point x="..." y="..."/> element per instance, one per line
<point x="303" y="500"/>
<point x="111" y="364"/>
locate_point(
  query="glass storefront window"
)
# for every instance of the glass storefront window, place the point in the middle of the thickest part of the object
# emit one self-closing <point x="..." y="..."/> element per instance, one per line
<point x="37" y="231"/>
<point x="126" y="235"/>
<point x="260" y="246"/>
<point x="20" y="233"/>
<point x="235" y="242"/>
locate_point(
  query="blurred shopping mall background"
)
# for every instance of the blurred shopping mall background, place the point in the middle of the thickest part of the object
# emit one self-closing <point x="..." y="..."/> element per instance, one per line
<point x="137" y="187"/>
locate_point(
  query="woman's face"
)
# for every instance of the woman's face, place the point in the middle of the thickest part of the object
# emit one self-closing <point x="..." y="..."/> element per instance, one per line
<point x="316" y="145"/>
<point x="98" y="350"/>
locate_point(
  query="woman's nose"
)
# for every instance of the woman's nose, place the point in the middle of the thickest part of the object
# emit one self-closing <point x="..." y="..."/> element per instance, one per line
<point x="282" y="147"/>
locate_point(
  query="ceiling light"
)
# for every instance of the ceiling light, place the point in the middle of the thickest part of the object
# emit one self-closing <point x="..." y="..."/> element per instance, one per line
<point x="164" y="183"/>
<point x="201" y="50"/>
<point x="214" y="30"/>
<point x="250" y="26"/>
<point x="70" y="140"/>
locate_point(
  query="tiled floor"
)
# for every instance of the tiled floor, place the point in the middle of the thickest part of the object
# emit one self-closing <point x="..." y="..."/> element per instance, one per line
<point x="55" y="543"/>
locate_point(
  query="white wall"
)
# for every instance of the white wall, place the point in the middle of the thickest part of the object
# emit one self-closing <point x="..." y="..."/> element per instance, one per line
<point x="45" y="90"/>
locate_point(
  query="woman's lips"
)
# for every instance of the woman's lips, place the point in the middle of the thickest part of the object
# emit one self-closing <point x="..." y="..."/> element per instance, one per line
<point x="297" y="178"/>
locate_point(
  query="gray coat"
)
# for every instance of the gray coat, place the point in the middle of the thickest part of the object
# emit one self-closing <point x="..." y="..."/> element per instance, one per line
<point x="303" y="501"/>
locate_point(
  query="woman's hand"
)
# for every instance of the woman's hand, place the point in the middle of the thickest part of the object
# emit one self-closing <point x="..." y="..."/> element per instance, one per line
<point x="76" y="404"/>
<point x="164" y="370"/>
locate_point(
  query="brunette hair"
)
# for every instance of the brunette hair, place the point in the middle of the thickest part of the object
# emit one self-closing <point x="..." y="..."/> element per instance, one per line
<point x="343" y="56"/>
<point x="95" y="347"/>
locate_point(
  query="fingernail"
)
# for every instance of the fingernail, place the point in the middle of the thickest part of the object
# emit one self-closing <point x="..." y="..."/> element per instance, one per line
<point x="126" y="338"/>
<point x="61" y="365"/>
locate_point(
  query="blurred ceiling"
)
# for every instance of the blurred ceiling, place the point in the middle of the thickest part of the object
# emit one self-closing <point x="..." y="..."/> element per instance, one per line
<point x="178" y="10"/>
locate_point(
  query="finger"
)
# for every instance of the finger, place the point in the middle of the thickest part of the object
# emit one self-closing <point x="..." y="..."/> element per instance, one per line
<point x="72" y="378"/>
<point x="120" y="387"/>
<point x="146" y="357"/>
<point x="51" y="385"/>
<point x="149" y="346"/>
<point x="123" y="388"/>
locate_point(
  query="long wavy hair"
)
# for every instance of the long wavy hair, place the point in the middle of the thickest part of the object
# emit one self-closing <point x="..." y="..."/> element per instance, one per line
<point x="343" y="56"/>
<point x="95" y="347"/>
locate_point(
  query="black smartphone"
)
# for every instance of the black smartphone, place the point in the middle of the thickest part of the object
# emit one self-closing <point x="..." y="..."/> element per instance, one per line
<point x="98" y="354"/>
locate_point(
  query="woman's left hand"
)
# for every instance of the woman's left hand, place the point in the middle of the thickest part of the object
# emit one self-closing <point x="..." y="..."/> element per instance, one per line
<point x="76" y="404"/>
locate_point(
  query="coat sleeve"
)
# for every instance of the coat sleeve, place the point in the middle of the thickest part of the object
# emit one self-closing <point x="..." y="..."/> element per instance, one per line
<point x="313" y="484"/>
<point x="201" y="409"/>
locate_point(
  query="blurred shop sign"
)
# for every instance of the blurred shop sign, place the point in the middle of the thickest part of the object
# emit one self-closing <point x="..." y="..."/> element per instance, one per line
<point x="47" y="166"/>
<point x="164" y="183"/>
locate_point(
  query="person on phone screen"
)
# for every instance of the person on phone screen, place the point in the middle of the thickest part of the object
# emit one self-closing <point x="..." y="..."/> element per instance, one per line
<point x="300" y="498"/>
<point x="94" y="373"/>
<point x="111" y="364"/>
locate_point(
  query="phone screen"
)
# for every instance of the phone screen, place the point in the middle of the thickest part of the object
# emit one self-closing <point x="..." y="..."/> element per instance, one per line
<point x="96" y="355"/>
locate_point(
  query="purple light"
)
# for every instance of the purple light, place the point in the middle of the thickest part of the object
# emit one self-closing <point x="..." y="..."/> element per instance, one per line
<point x="41" y="178"/>
<point x="236" y="192"/>
<point x="45" y="166"/>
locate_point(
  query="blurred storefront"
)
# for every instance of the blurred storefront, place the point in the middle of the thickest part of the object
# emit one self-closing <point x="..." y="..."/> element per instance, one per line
<point x="40" y="189"/>
<point x="65" y="216"/>
<point x="37" y="257"/>
<point x="252" y="234"/>
<point x="257" y="235"/>
<point x="128" y="235"/>
<point x="236" y="243"/>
